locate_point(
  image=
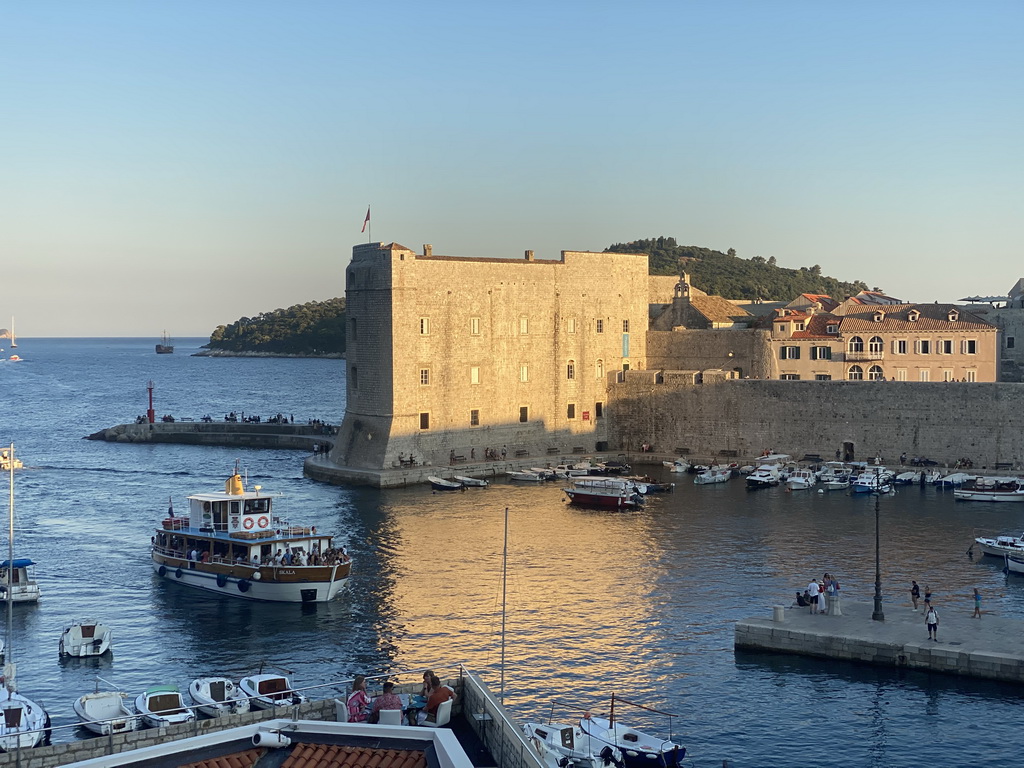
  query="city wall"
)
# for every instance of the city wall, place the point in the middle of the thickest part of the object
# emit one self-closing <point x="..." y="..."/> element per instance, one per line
<point x="944" y="421"/>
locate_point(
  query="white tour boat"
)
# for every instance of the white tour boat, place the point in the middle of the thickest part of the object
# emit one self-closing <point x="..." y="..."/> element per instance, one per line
<point x="218" y="696"/>
<point x="162" y="705"/>
<point x="233" y="543"/>
<point x="997" y="489"/>
<point x="85" y="638"/>
<point x="1000" y="546"/>
<point x="269" y="691"/>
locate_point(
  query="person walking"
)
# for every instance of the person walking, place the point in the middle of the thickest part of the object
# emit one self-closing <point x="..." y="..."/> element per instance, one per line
<point x="927" y="597"/>
<point x="915" y="593"/>
<point x="977" y="604"/>
<point x="812" y="595"/>
<point x="931" y="619"/>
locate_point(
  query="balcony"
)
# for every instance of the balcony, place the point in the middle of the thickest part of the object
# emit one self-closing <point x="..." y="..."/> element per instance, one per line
<point x="865" y="356"/>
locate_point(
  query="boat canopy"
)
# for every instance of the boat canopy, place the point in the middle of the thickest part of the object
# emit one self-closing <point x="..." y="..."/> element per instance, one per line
<point x="21" y="562"/>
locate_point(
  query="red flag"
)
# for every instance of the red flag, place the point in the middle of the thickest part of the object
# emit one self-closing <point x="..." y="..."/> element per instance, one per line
<point x="366" y="220"/>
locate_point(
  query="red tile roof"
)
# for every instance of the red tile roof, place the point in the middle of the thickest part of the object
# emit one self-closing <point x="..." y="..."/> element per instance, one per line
<point x="246" y="759"/>
<point x="933" y="317"/>
<point x="340" y="756"/>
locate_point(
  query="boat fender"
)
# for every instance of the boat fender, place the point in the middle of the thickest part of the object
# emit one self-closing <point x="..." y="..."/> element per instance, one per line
<point x="222" y="580"/>
<point x="243" y="585"/>
<point x="257" y="576"/>
<point x="177" y="574"/>
<point x="161" y="571"/>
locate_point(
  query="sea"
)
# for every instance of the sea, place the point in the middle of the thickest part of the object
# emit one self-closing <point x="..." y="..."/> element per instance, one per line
<point x="640" y="604"/>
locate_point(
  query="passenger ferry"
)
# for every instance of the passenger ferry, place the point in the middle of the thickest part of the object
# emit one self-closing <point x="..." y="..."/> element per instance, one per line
<point x="233" y="543"/>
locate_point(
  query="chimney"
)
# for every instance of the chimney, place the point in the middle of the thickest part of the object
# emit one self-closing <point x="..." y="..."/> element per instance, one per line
<point x="428" y="249"/>
<point x="529" y="255"/>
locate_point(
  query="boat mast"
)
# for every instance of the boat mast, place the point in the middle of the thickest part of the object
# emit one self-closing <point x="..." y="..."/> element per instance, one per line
<point x="9" y="668"/>
<point x="504" y="583"/>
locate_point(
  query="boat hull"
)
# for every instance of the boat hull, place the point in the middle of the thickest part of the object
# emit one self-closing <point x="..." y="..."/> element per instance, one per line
<point x="601" y="500"/>
<point x="995" y="496"/>
<point x="639" y="750"/>
<point x="294" y="590"/>
<point x="111" y="708"/>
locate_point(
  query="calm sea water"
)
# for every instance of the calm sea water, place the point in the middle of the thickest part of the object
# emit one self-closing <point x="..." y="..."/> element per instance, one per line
<point x="642" y="604"/>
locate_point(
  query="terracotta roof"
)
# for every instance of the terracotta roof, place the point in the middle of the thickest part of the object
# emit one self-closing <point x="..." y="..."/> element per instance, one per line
<point x="246" y="759"/>
<point x="339" y="756"/>
<point x="718" y="310"/>
<point x="816" y="327"/>
<point x="826" y="301"/>
<point x="933" y="317"/>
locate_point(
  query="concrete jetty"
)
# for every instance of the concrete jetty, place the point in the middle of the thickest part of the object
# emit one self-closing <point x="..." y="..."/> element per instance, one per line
<point x="989" y="647"/>
<point x="300" y="437"/>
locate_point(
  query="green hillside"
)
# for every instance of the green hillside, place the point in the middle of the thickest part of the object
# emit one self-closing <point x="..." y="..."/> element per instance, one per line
<point x="313" y="328"/>
<point x="726" y="274"/>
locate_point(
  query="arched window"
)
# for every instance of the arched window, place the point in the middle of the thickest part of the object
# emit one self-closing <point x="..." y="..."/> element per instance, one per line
<point x="856" y="373"/>
<point x="875" y="373"/>
<point x="875" y="345"/>
<point x="570" y="370"/>
<point x="600" y="369"/>
<point x="856" y="344"/>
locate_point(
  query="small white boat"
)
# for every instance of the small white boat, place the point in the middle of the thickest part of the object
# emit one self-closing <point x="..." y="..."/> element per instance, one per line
<point x="836" y="484"/>
<point x="218" y="696"/>
<point x="23" y="722"/>
<point x="267" y="691"/>
<point x="638" y="748"/>
<point x="8" y="462"/>
<point x="85" y="638"/>
<point x="954" y="479"/>
<point x="678" y="465"/>
<point x="24" y="589"/>
<point x="161" y="705"/>
<point x="525" y="477"/>
<point x="561" y="745"/>
<point x="106" y="712"/>
<point x="801" y="480"/>
<point x="873" y="480"/>
<point x="996" y="489"/>
<point x="470" y="482"/>
<point x="713" y="475"/>
<point x="440" y="484"/>
<point x="1000" y="546"/>
<point x="1014" y="564"/>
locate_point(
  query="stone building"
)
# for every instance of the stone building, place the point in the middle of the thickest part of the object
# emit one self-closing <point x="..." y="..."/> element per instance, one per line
<point x="1007" y="314"/>
<point x="450" y="358"/>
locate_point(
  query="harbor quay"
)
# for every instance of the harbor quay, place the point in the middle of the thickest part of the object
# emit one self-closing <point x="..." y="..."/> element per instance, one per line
<point x="301" y="437"/>
<point x="988" y="648"/>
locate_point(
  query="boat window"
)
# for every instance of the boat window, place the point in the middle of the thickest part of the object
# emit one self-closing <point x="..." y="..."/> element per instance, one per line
<point x="630" y="737"/>
<point x="12" y="717"/>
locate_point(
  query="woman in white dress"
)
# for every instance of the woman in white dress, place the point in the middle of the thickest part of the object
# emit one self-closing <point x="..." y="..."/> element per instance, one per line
<point x="821" y="598"/>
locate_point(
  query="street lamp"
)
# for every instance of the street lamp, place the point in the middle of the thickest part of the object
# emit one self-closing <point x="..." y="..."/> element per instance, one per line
<point x="876" y="614"/>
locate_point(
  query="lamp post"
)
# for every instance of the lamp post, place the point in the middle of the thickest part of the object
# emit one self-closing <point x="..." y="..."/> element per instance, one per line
<point x="876" y="614"/>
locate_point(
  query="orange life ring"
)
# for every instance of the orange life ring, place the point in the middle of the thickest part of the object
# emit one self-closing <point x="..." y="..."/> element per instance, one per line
<point x="248" y="524"/>
<point x="263" y="522"/>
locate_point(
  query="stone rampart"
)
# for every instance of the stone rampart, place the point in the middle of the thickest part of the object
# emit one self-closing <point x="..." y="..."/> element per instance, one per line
<point x="300" y="437"/>
<point x="944" y="421"/>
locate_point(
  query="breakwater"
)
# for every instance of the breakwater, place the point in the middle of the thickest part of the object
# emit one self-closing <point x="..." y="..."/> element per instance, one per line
<point x="301" y="437"/>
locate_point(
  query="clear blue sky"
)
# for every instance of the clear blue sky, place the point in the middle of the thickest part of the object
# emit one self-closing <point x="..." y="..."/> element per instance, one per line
<point x="181" y="164"/>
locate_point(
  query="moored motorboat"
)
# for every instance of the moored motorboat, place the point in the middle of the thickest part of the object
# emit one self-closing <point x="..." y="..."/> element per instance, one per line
<point x="611" y="497"/>
<point x="218" y="696"/>
<point x="233" y="543"/>
<point x="440" y="484"/>
<point x="873" y="480"/>
<point x="23" y="587"/>
<point x="106" y="712"/>
<point x="268" y="691"/>
<point x="676" y="465"/>
<point x="954" y="479"/>
<point x="561" y="745"/>
<point x="525" y="477"/>
<point x="1013" y="563"/>
<point x="470" y="482"/>
<point x="995" y="489"/>
<point x="801" y="480"/>
<point x="639" y="749"/>
<point x="713" y="475"/>
<point x="8" y="462"/>
<point x="85" y="638"/>
<point x="162" y="705"/>
<point x="1000" y="546"/>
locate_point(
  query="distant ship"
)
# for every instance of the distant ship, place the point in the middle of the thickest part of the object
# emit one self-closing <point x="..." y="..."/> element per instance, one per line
<point x="14" y="340"/>
<point x="165" y="347"/>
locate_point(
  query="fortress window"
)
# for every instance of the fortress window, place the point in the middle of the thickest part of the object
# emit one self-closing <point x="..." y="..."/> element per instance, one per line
<point x="969" y="347"/>
<point x="474" y="326"/>
<point x="425" y="326"/>
<point x="971" y="375"/>
<point x="598" y="410"/>
<point x="424" y="421"/>
<point x="425" y="376"/>
<point x="474" y="418"/>
<point x="875" y="373"/>
<point x="524" y="372"/>
<point x="856" y="344"/>
<point x="570" y="370"/>
<point x="353" y="377"/>
<point x="823" y="377"/>
<point x="790" y="377"/>
<point x="625" y="326"/>
<point x="600" y="369"/>
<point x="856" y="373"/>
<point x="1010" y="341"/>
<point x="600" y="326"/>
<point x="524" y="414"/>
<point x="474" y="375"/>
<point x="524" y="325"/>
<point x="570" y="411"/>
<point x="876" y="345"/>
<point x="789" y="353"/>
<point x="570" y="325"/>
<point x="353" y="329"/>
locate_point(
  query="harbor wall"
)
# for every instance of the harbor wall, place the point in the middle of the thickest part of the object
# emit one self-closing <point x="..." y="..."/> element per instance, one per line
<point x="300" y="437"/>
<point x="944" y="421"/>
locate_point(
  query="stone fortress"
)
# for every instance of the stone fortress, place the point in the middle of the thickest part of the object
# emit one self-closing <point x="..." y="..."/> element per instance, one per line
<point x="467" y="361"/>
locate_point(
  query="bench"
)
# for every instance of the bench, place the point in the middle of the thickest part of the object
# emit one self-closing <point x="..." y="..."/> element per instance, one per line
<point x="683" y="451"/>
<point x="1003" y="465"/>
<point x="552" y="451"/>
<point x="459" y="458"/>
<point x="522" y="452"/>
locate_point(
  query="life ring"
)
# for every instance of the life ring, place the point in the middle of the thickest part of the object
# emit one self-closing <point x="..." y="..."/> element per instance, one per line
<point x="263" y="522"/>
<point x="248" y="524"/>
<point x="161" y="571"/>
<point x="177" y="574"/>
<point x="243" y="586"/>
<point x="222" y="580"/>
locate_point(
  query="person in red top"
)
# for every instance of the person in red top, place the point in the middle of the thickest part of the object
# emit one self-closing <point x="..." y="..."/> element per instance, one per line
<point x="358" y="701"/>
<point x="438" y="696"/>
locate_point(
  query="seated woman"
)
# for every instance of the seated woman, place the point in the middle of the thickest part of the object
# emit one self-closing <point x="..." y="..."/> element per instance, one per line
<point x="387" y="700"/>
<point x="439" y="694"/>
<point x="358" y="701"/>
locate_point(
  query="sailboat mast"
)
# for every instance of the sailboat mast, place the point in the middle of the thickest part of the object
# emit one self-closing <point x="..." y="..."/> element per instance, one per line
<point x="9" y="667"/>
<point x="504" y="583"/>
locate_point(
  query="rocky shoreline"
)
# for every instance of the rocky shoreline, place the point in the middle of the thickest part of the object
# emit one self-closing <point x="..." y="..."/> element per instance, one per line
<point x="232" y="353"/>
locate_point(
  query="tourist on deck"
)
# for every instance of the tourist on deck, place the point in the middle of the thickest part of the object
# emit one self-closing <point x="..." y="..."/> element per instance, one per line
<point x="387" y="700"/>
<point x="358" y="701"/>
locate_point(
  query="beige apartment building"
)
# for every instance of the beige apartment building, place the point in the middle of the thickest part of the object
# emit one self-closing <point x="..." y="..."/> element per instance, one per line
<point x="896" y="342"/>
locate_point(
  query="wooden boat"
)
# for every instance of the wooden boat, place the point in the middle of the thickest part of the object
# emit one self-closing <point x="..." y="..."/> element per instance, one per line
<point x="269" y="691"/>
<point x="440" y="484"/>
<point x="995" y="489"/>
<point x="218" y="696"/>
<point x="106" y="712"/>
<point x="165" y="347"/>
<point x="161" y="705"/>
<point x="470" y="482"/>
<point x="561" y="745"/>
<point x="233" y="543"/>
<point x="85" y="638"/>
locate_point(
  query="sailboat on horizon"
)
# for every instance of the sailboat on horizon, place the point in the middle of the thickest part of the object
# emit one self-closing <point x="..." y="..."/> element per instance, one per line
<point x="165" y="347"/>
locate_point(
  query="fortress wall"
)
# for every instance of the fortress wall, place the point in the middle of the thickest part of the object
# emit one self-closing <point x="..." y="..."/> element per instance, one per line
<point x="940" y="420"/>
<point x="701" y="350"/>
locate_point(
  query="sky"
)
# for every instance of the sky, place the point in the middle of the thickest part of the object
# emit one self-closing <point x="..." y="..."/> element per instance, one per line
<point x="179" y="165"/>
